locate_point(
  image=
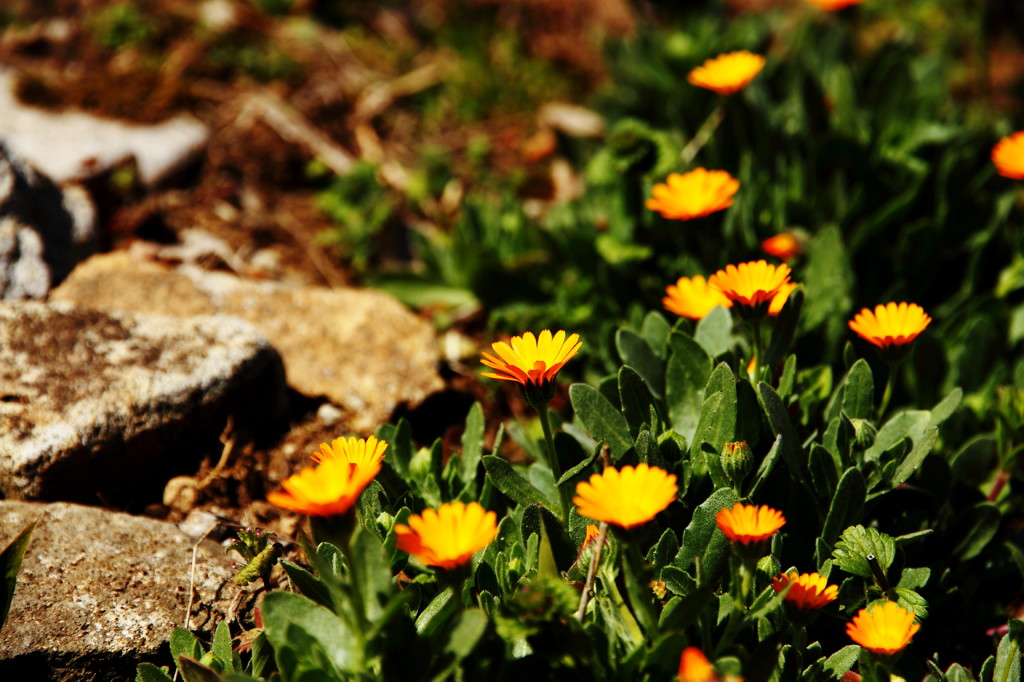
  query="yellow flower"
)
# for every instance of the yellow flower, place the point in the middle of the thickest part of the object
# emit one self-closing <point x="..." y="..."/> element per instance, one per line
<point x="748" y="524"/>
<point x="330" y="488"/>
<point x="693" y="298"/>
<point x="727" y="73"/>
<point x="809" y="590"/>
<point x="693" y="195"/>
<point x="783" y="246"/>
<point x="593" y="533"/>
<point x="779" y="299"/>
<point x="449" y="536"/>
<point x="694" y="666"/>
<point x="361" y="452"/>
<point x="892" y="324"/>
<point x="752" y="283"/>
<point x="885" y="629"/>
<point x="833" y="5"/>
<point x="530" y="359"/>
<point x="1008" y="156"/>
<point x="626" y="498"/>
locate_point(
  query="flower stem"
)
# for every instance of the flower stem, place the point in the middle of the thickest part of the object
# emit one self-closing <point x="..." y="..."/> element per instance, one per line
<point x="703" y="134"/>
<point x="758" y="349"/>
<point x="595" y="559"/>
<point x="556" y="470"/>
<point x="887" y="395"/>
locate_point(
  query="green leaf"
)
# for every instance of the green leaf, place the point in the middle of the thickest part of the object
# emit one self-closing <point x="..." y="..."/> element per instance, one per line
<point x="184" y="643"/>
<point x="307" y="584"/>
<point x="194" y="671"/>
<point x="400" y="446"/>
<point x="985" y="519"/>
<point x="1007" y="667"/>
<point x="373" y="573"/>
<point x="714" y="332"/>
<point x="147" y="672"/>
<point x="686" y="375"/>
<point x="222" y="647"/>
<point x="10" y="566"/>
<point x="284" y="612"/>
<point x="537" y="520"/>
<point x="767" y="466"/>
<point x="847" y="505"/>
<point x="841" y="661"/>
<point x="466" y="634"/>
<point x="914" y="578"/>
<point x="782" y="427"/>
<point x="702" y="537"/>
<point x="912" y="462"/>
<point x="665" y="550"/>
<point x="718" y="413"/>
<point x="438" y="611"/>
<point x="856" y="543"/>
<point x="576" y="470"/>
<point x="601" y="419"/>
<point x="911" y="601"/>
<point x="636" y="400"/>
<point x="824" y="475"/>
<point x="859" y="394"/>
<point x="638" y="354"/>
<point x="655" y="331"/>
<point x="514" y="486"/>
<point x="908" y="424"/>
<point x="828" y="279"/>
<point x="472" y="445"/>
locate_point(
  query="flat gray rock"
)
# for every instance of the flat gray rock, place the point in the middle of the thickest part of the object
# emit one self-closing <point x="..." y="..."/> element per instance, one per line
<point x="102" y="407"/>
<point x="361" y="349"/>
<point x="101" y="591"/>
<point x="73" y="145"/>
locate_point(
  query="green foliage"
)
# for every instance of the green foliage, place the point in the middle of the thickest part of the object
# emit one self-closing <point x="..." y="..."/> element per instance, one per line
<point x="10" y="565"/>
<point x="121" y="24"/>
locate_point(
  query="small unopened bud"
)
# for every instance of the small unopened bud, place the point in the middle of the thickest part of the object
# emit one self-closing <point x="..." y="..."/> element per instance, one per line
<point x="737" y="461"/>
<point x="659" y="589"/>
<point x="864" y="433"/>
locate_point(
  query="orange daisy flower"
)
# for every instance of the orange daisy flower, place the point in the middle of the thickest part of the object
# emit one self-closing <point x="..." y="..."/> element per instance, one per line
<point x="448" y="536"/>
<point x="358" y="451"/>
<point x="809" y="591"/>
<point x="530" y="359"/>
<point x="593" y="533"/>
<point x="779" y="299"/>
<point x="694" y="666"/>
<point x="885" y="629"/>
<point x="784" y="246"/>
<point x="329" y="489"/>
<point x="1008" y="156"/>
<point x="892" y="324"/>
<point x="833" y="5"/>
<point x="693" y="195"/>
<point x="751" y="284"/>
<point x="727" y="73"/>
<point x="747" y="524"/>
<point x="692" y="297"/>
<point x="627" y="497"/>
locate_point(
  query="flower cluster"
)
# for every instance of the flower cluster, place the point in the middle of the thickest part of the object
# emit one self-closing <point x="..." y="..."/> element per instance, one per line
<point x="751" y="284"/>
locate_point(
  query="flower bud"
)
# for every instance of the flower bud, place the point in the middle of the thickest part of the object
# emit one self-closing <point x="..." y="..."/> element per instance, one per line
<point x="864" y="433"/>
<point x="737" y="461"/>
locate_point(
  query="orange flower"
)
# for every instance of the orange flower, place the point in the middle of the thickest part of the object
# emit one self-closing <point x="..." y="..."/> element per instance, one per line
<point x="727" y="73"/>
<point x="779" y="299"/>
<point x="361" y="452"/>
<point x="748" y="524"/>
<point x="694" y="666"/>
<point x="693" y="195"/>
<point x="1008" y="156"/>
<point x="885" y="629"/>
<point x="593" y="533"/>
<point x="693" y="298"/>
<point x="627" y="497"/>
<point x="530" y="359"/>
<point x="449" y="536"/>
<point x="833" y="5"/>
<point x="784" y="246"/>
<point x="809" y="590"/>
<point x="330" y="488"/>
<point x="892" y="324"/>
<point x="752" y="283"/>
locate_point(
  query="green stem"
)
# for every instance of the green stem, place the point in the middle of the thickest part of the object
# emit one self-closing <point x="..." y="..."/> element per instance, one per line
<point x="556" y="470"/>
<point x="703" y="134"/>
<point x="887" y="395"/>
<point x="758" y="349"/>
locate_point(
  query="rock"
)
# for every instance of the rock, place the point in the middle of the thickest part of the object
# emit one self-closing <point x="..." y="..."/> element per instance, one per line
<point x="107" y="407"/>
<point x="74" y="145"/>
<point x="360" y="349"/>
<point x="44" y="230"/>
<point x="100" y="591"/>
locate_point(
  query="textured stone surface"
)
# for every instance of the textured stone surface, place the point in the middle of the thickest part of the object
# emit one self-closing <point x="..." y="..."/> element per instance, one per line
<point x="44" y="230"/>
<point x="74" y="145"/>
<point x="100" y="591"/>
<point x="96" y="406"/>
<point x="361" y="349"/>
